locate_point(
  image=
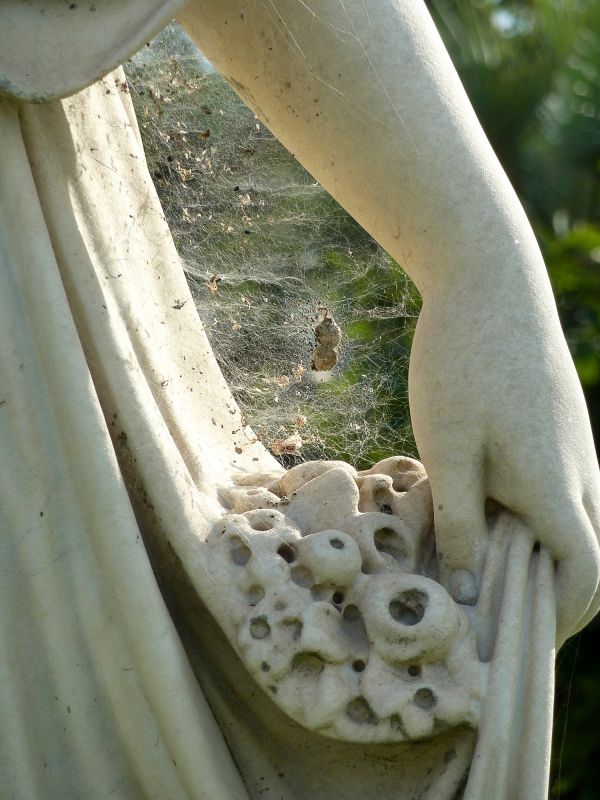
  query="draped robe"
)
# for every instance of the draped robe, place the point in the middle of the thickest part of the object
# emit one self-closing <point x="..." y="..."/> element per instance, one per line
<point x="98" y="699"/>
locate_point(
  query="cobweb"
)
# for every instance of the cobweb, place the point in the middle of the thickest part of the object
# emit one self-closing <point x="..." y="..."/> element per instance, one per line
<point x="268" y="254"/>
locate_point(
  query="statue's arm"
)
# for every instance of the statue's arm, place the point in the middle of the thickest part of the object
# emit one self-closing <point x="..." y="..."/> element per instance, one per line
<point x="364" y="94"/>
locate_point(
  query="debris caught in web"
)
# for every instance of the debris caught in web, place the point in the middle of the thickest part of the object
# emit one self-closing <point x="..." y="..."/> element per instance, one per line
<point x="288" y="446"/>
<point x="328" y="336"/>
<point x="213" y="283"/>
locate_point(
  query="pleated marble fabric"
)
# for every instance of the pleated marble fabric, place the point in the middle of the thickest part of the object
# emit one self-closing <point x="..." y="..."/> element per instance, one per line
<point x="98" y="699"/>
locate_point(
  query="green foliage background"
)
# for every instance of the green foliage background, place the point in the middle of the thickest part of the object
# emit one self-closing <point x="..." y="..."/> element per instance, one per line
<point x="265" y="247"/>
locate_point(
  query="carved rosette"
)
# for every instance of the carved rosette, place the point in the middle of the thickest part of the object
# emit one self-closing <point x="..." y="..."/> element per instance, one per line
<point x="328" y="590"/>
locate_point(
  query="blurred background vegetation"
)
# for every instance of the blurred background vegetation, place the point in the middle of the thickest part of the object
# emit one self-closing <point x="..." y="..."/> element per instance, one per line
<point x="266" y="251"/>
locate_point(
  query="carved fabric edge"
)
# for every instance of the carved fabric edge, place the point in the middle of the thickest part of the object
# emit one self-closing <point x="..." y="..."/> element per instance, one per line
<point x="51" y="49"/>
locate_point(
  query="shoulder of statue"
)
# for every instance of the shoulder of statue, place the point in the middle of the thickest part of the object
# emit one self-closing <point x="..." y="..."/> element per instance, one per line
<point x="54" y="48"/>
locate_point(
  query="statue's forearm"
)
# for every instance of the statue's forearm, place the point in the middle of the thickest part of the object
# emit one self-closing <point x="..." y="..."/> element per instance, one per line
<point x="365" y="96"/>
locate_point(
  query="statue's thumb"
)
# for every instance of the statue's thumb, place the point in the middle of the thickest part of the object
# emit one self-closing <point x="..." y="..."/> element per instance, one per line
<point x="460" y="534"/>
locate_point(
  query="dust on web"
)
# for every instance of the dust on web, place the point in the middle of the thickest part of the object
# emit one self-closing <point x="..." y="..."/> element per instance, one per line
<point x="265" y="250"/>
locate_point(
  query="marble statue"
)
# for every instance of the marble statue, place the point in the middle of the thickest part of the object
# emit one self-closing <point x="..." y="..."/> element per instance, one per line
<point x="181" y="617"/>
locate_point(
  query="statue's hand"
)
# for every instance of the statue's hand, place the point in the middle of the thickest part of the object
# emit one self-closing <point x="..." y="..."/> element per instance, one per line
<point x="496" y="406"/>
<point x="498" y="413"/>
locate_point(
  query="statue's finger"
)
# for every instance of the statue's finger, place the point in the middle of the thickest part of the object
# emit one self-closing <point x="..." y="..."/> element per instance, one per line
<point x="460" y="531"/>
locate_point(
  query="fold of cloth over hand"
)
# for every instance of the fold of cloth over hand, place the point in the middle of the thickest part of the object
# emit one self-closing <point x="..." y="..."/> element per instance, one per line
<point x="516" y="620"/>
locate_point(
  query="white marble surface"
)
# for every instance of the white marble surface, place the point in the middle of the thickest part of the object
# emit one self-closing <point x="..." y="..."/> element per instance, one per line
<point x="124" y="451"/>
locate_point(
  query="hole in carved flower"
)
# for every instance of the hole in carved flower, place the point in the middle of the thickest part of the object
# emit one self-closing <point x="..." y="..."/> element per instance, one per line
<point x="294" y="626"/>
<point x="338" y="597"/>
<point x="351" y="613"/>
<point x="259" y="628"/>
<point x="389" y="541"/>
<point x="397" y="725"/>
<point x="302" y="577"/>
<point x="319" y="592"/>
<point x="353" y="628"/>
<point x="383" y="497"/>
<point x="265" y="667"/>
<point x="337" y="543"/>
<point x="260" y="524"/>
<point x="240" y="552"/>
<point x="358" y="665"/>
<point x="386" y="509"/>
<point x="287" y="552"/>
<point x="414" y="670"/>
<point x="308" y="664"/>
<point x="369" y="568"/>
<point x="425" y="699"/>
<point x="255" y="595"/>
<point x="408" y="608"/>
<point x="360" y="711"/>
<point x="400" y="484"/>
